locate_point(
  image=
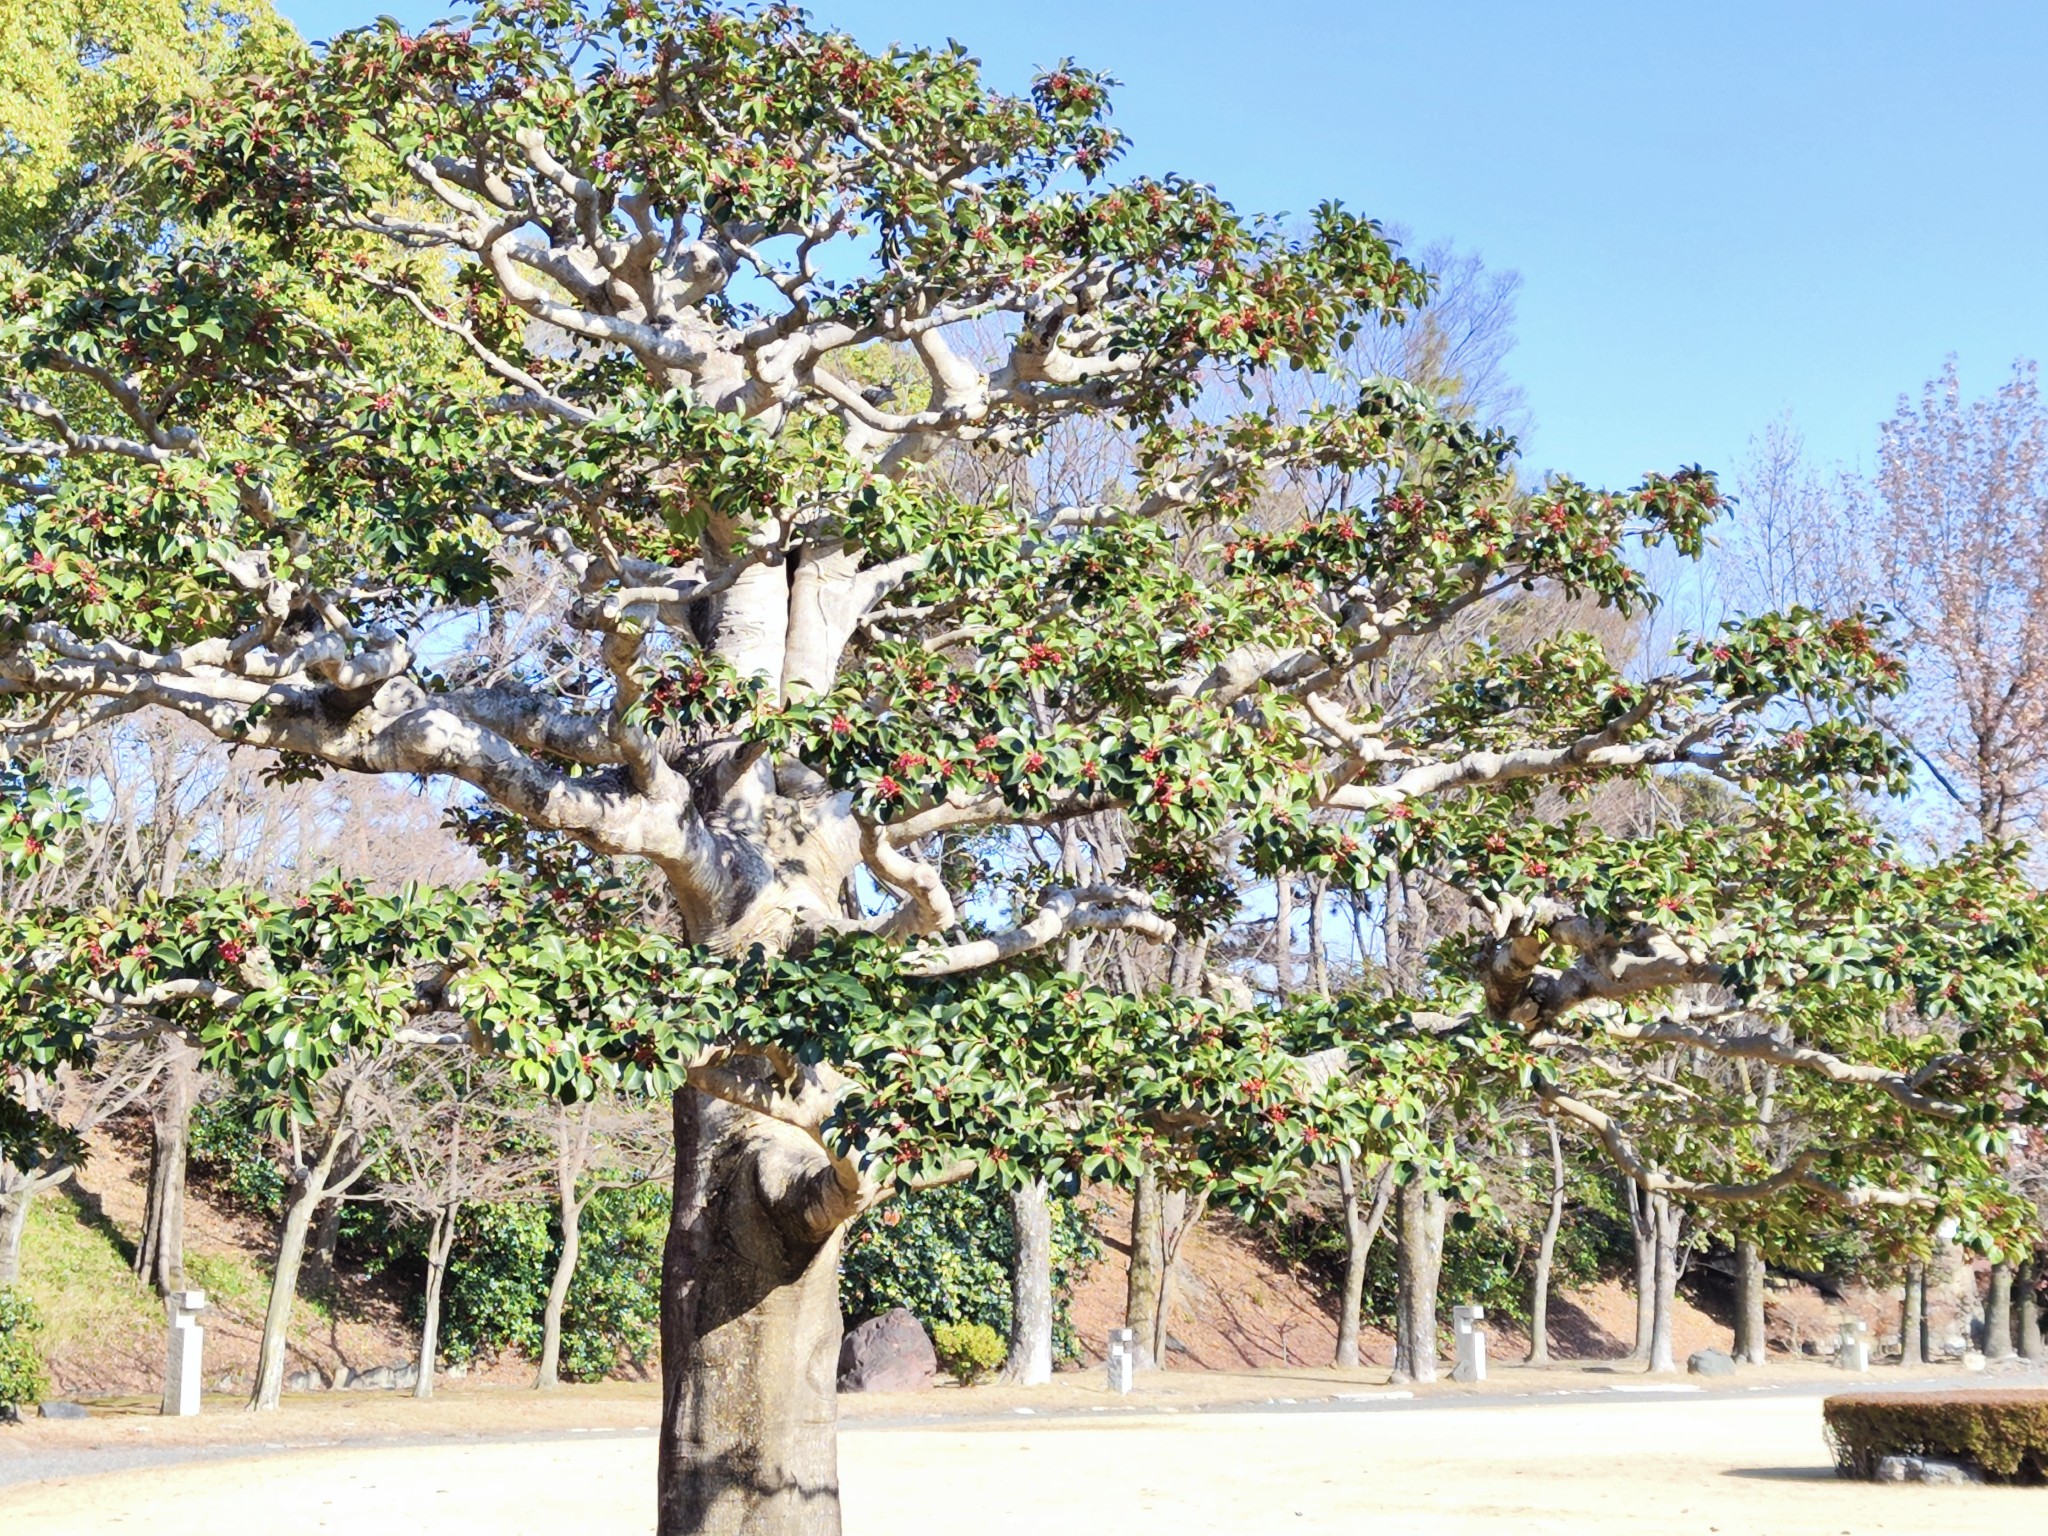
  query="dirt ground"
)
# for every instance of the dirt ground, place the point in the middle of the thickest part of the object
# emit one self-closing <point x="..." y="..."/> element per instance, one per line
<point x="1447" y="1462"/>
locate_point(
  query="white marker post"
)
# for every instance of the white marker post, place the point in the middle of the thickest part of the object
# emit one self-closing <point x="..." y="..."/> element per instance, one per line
<point x="1123" y="1359"/>
<point x="1853" y="1352"/>
<point x="181" y="1369"/>
<point x="1471" y="1343"/>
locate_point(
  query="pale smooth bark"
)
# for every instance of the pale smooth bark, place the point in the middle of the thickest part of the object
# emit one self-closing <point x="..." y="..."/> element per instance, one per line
<point x="1361" y="1228"/>
<point x="440" y="1244"/>
<point x="1546" y="1253"/>
<point x="1998" y="1314"/>
<point x="160" y="1250"/>
<point x="1029" y="1363"/>
<point x="1643" y="1231"/>
<point x="1667" y="1221"/>
<point x="13" y="1222"/>
<point x="1142" y="1284"/>
<point x="1913" y="1316"/>
<point x="1752" y="1340"/>
<point x="549" y="1373"/>
<point x="284" y="1285"/>
<point x="326" y="1178"/>
<point x="1180" y="1213"/>
<point x="1420" y="1211"/>
<point x="2027" y="1304"/>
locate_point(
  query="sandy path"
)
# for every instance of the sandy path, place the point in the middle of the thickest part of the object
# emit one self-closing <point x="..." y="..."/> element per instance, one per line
<point x="1725" y="1466"/>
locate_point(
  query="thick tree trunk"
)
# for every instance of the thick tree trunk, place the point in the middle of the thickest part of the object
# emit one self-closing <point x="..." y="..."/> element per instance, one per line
<point x="1752" y="1344"/>
<point x="1998" y="1314"/>
<point x="160" y="1252"/>
<point x="1141" y="1288"/>
<point x="1643" y="1230"/>
<point x="1546" y="1254"/>
<point x="1666" y="1220"/>
<point x="13" y="1222"/>
<point x="1913" y="1317"/>
<point x="284" y="1285"/>
<point x="550" y="1373"/>
<point x="1030" y="1359"/>
<point x="1361" y="1228"/>
<point x="1420" y="1224"/>
<point x="750" y="1329"/>
<point x="2027" y="1301"/>
<point x="439" y="1246"/>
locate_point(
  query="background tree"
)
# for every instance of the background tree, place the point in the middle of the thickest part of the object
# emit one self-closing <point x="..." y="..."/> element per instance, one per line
<point x="597" y="1145"/>
<point x="327" y="1149"/>
<point x="451" y="1140"/>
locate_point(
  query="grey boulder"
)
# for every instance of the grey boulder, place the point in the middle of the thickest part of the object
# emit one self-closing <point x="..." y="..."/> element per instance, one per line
<point x="1925" y="1469"/>
<point x="890" y="1353"/>
<point x="63" y="1411"/>
<point x="1710" y="1362"/>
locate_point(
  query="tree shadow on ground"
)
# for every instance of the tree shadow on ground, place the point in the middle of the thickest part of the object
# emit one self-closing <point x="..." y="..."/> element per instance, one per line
<point x="1575" y="1336"/>
<point x="92" y="1211"/>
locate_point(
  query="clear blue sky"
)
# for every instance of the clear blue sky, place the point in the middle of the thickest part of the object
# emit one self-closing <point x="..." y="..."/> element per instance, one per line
<point x="1721" y="212"/>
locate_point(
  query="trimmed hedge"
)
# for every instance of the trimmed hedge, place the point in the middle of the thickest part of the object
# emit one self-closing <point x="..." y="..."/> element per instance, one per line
<point x="22" y="1378"/>
<point x="968" y="1351"/>
<point x="2004" y="1433"/>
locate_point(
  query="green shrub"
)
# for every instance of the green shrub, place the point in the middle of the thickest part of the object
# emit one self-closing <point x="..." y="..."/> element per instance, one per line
<point x="22" y="1378"/>
<point x="613" y="1315"/>
<point x="945" y="1255"/>
<point x="497" y="1284"/>
<point x="497" y="1280"/>
<point x="232" y="1156"/>
<point x="2004" y="1433"/>
<point x="968" y="1351"/>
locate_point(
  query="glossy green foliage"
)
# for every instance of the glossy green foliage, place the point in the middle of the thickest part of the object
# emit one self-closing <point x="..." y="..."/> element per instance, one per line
<point x="23" y="1378"/>
<point x="945" y="1254"/>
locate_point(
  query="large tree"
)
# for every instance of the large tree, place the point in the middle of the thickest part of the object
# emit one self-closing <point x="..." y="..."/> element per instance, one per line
<point x="592" y="292"/>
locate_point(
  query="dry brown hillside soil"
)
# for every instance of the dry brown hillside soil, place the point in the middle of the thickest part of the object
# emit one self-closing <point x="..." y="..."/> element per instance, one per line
<point x="1235" y="1306"/>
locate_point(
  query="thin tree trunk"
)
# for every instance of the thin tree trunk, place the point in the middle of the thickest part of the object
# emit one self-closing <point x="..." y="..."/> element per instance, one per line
<point x="2027" y="1302"/>
<point x="325" y="1242"/>
<point x="439" y="1245"/>
<point x="1318" y="944"/>
<point x="1141" y="1289"/>
<point x="1752" y="1343"/>
<point x="160" y="1252"/>
<point x="311" y="1187"/>
<point x="284" y="1285"/>
<point x="550" y="1372"/>
<point x="1998" y="1314"/>
<point x="1361" y="1228"/>
<point x="1030" y="1359"/>
<point x="1913" y="1316"/>
<point x="13" y="1222"/>
<point x="1283" y="934"/>
<point x="1546" y="1253"/>
<point x="1179" y="1215"/>
<point x="1667" y="1219"/>
<point x="1420" y="1223"/>
<point x="1643" y="1229"/>
<point x="750" y="1329"/>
